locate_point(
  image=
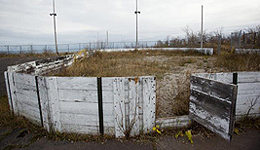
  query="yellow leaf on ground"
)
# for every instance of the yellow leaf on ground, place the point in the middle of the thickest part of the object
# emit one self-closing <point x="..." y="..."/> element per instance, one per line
<point x="236" y="130"/>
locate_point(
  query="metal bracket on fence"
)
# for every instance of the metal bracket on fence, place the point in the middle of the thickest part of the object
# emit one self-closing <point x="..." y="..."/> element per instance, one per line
<point x="39" y="99"/>
<point x="100" y="105"/>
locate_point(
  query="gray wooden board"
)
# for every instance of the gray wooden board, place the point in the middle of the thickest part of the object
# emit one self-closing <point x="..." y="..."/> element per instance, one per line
<point x="119" y="107"/>
<point x="7" y="83"/>
<point x="149" y="102"/>
<point x="213" y="88"/>
<point x="243" y="77"/>
<point x="178" y="121"/>
<point x="212" y="104"/>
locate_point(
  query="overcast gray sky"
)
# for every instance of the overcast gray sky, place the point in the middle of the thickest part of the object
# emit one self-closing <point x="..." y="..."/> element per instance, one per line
<point x="83" y="21"/>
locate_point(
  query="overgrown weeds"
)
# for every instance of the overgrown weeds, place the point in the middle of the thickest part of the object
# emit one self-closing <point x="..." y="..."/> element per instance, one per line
<point x="133" y="63"/>
<point x="239" y="62"/>
<point x="181" y="101"/>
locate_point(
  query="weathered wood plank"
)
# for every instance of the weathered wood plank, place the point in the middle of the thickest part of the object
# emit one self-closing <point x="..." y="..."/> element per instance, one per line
<point x="77" y="83"/>
<point x="149" y="98"/>
<point x="24" y="79"/>
<point x="133" y="107"/>
<point x="54" y="103"/>
<point x="213" y="88"/>
<point x="78" y="119"/>
<point x="13" y="92"/>
<point x="243" y="77"/>
<point x="79" y="108"/>
<point x="220" y="77"/>
<point x="7" y="84"/>
<point x="84" y="129"/>
<point x="248" y="77"/>
<point x="214" y="123"/>
<point x="27" y="99"/>
<point x="179" y="121"/>
<point x="119" y="107"/>
<point x="212" y="104"/>
<point x="249" y="88"/>
<point x="69" y="95"/>
<point x="46" y="113"/>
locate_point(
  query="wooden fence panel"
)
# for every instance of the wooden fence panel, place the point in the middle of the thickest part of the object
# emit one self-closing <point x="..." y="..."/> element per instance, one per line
<point x="212" y="104"/>
<point x="25" y="96"/>
<point x="78" y="104"/>
<point x="149" y="102"/>
<point x="119" y="104"/>
<point x="108" y="105"/>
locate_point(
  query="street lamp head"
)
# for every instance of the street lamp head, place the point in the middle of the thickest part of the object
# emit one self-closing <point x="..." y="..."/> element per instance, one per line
<point x="137" y="12"/>
<point x="53" y="14"/>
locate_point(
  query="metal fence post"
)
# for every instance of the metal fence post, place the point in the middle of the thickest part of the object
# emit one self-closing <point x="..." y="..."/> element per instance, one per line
<point x="21" y="49"/>
<point x="8" y="49"/>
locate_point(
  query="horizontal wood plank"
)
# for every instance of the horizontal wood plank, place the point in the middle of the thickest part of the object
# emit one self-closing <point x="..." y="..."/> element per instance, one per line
<point x="213" y="88"/>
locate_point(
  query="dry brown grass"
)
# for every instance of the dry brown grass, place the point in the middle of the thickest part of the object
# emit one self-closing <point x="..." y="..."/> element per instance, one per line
<point x="242" y="62"/>
<point x="133" y="63"/>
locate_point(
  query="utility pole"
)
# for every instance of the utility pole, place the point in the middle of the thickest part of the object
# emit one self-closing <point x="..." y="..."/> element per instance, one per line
<point x="136" y="12"/>
<point x="107" y="38"/>
<point x="54" y="23"/>
<point x="201" y="34"/>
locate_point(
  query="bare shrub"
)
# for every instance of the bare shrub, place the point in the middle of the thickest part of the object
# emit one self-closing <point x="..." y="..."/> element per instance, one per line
<point x="181" y="101"/>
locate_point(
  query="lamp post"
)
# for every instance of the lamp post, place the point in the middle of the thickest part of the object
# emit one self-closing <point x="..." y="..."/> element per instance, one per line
<point x="54" y="22"/>
<point x="136" y="39"/>
<point x="201" y="34"/>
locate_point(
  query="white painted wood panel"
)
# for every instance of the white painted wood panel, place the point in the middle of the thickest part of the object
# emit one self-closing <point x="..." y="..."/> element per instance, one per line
<point x="54" y="103"/>
<point x="70" y="95"/>
<point x="178" y="121"/>
<point x="133" y="107"/>
<point x="149" y="98"/>
<point x="8" y="91"/>
<point x="79" y="108"/>
<point x="43" y="93"/>
<point x="77" y="83"/>
<point x="78" y="119"/>
<point x="80" y="129"/>
<point x="119" y="107"/>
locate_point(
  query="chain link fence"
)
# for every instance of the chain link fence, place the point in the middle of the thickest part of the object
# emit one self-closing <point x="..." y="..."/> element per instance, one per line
<point x="19" y="49"/>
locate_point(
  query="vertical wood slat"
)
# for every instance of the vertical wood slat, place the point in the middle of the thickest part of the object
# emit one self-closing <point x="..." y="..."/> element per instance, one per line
<point x="149" y="98"/>
<point x="54" y="103"/>
<point x="13" y="91"/>
<point x="7" y="83"/>
<point x="133" y="107"/>
<point x="119" y="107"/>
<point x="43" y="92"/>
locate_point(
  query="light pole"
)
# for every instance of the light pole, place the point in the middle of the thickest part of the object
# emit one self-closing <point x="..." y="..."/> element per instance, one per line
<point x="136" y="12"/>
<point x="54" y="22"/>
<point x="201" y="34"/>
